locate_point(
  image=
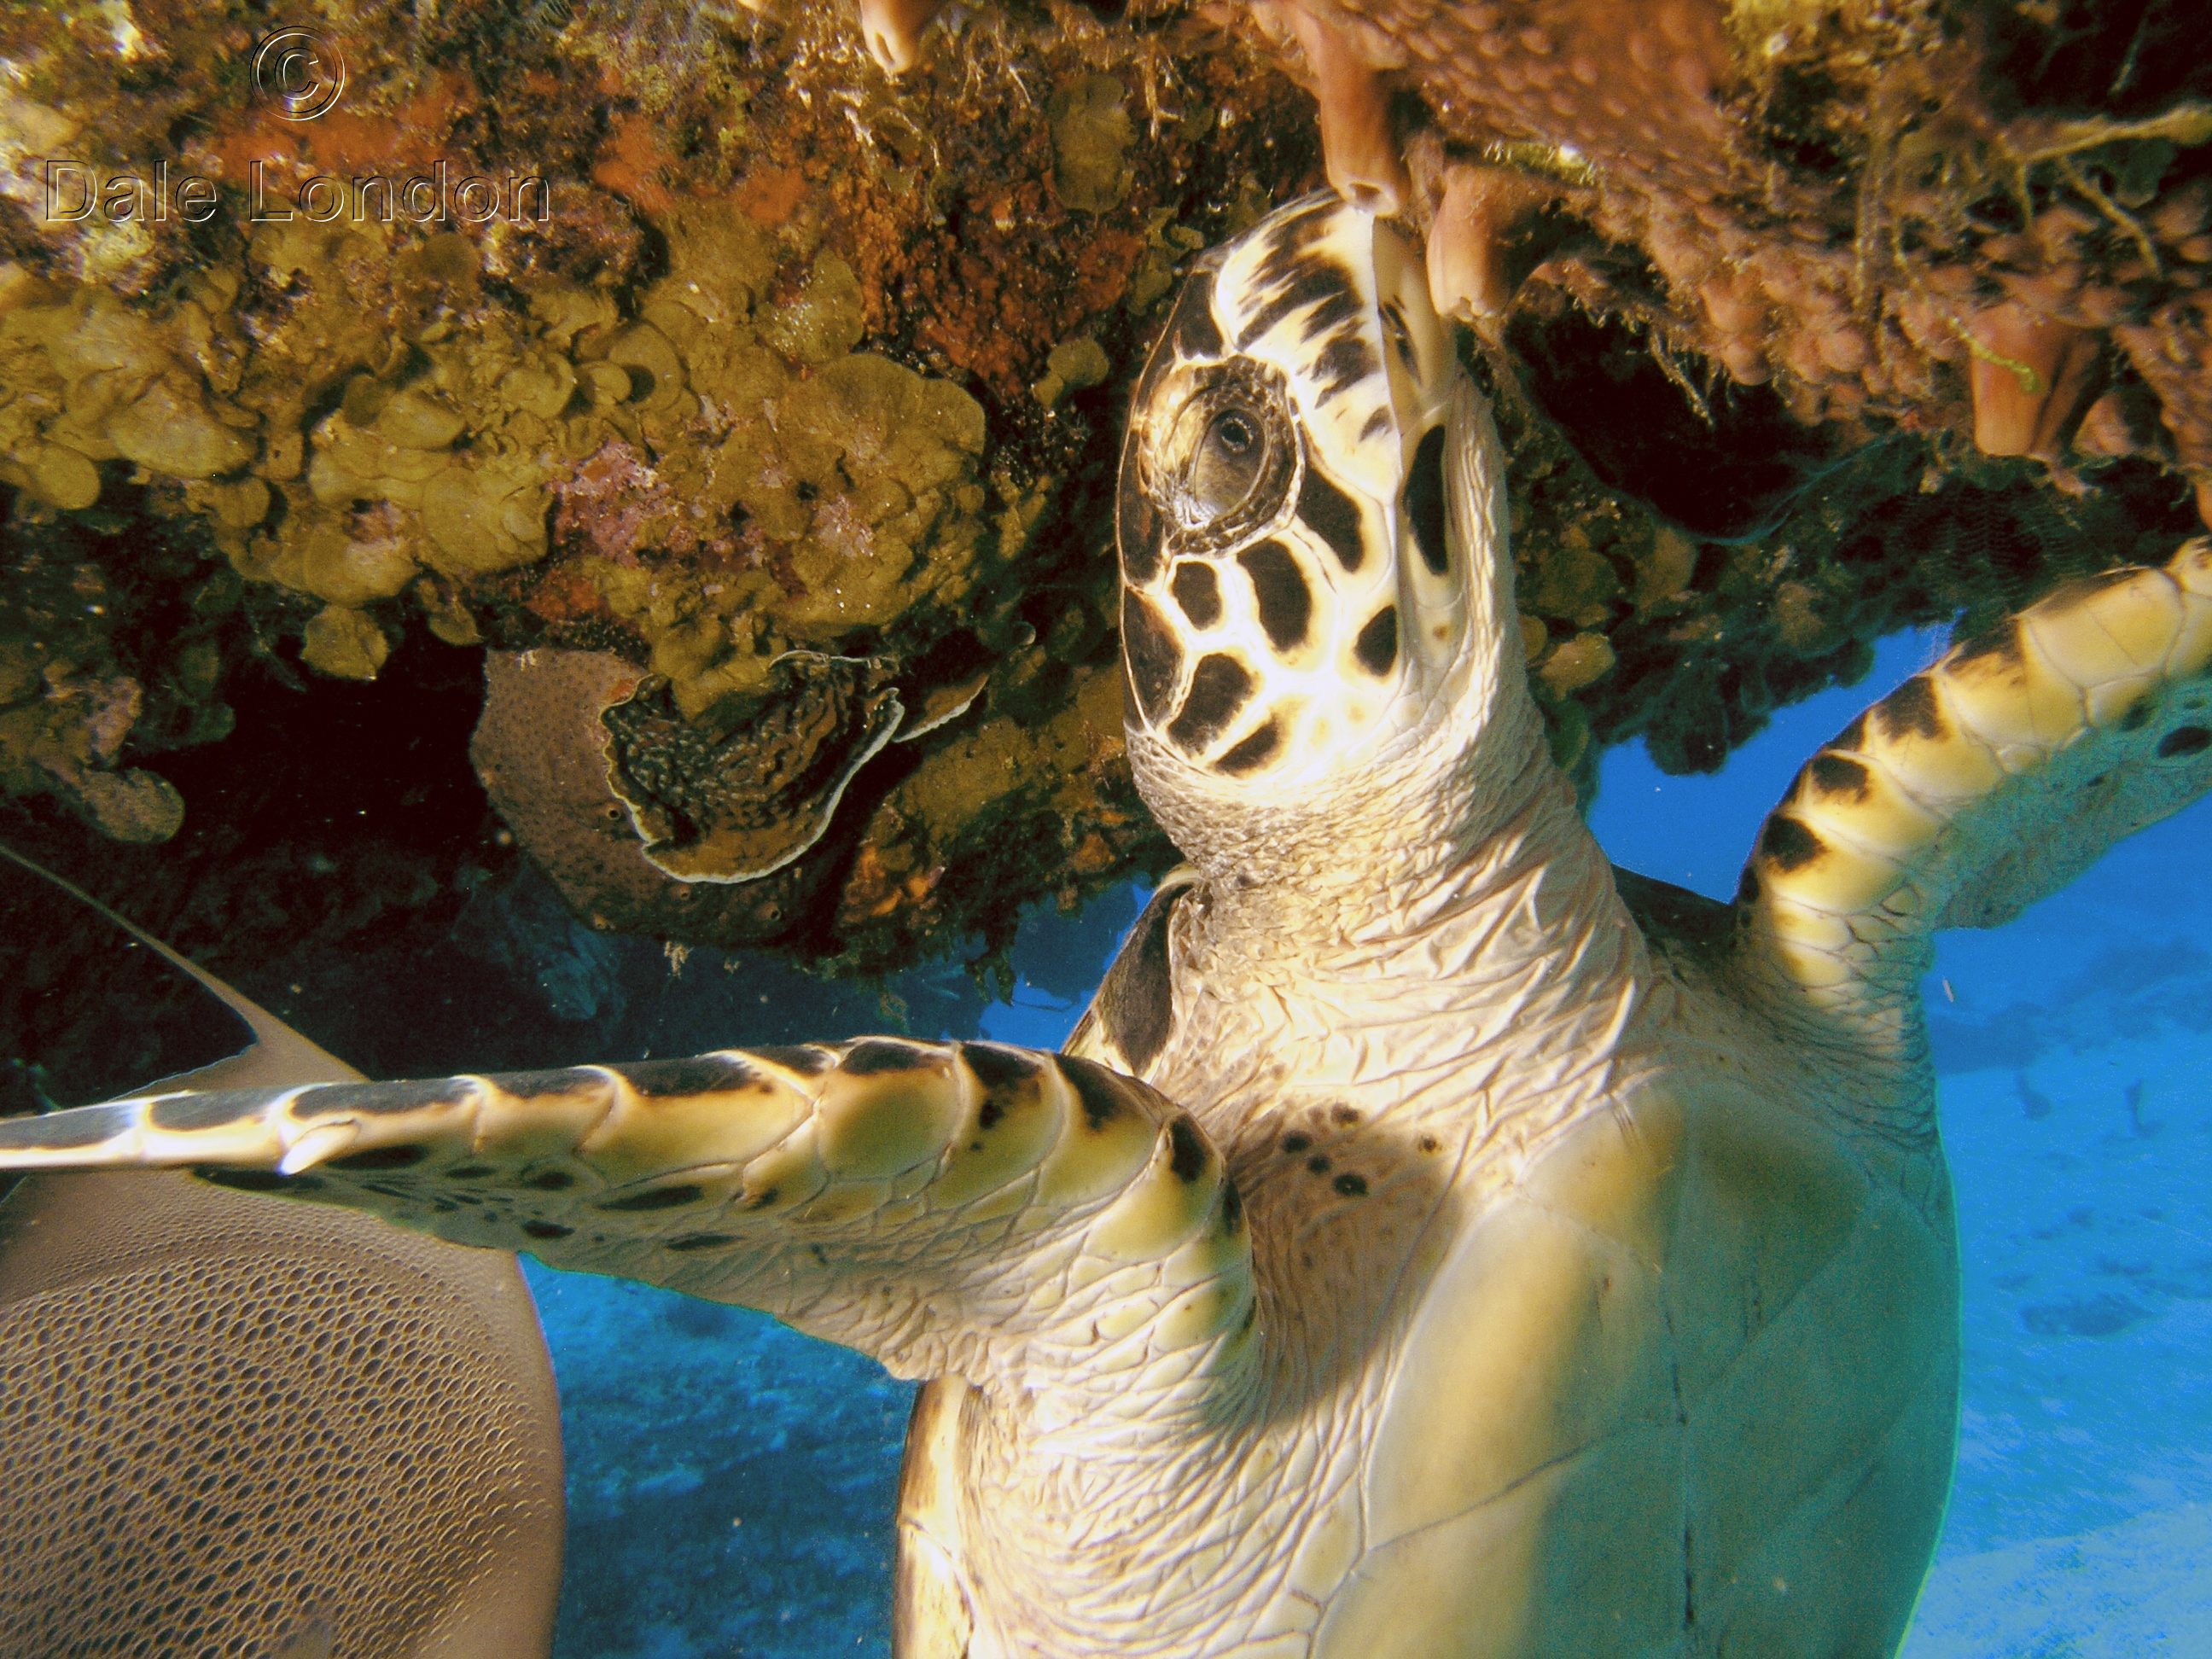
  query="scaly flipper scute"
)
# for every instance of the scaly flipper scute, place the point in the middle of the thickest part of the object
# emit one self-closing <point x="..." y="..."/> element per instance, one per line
<point x="202" y="1393"/>
<point x="949" y="1208"/>
<point x="1984" y="784"/>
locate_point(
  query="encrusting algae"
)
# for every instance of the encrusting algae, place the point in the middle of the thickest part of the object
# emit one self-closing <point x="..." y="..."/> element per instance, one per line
<point x="762" y="432"/>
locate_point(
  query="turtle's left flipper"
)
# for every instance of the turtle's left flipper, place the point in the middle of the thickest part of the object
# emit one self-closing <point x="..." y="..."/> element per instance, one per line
<point x="944" y="1207"/>
<point x="1983" y="784"/>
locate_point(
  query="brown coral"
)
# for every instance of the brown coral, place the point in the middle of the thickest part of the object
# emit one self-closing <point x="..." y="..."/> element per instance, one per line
<point x="808" y="360"/>
<point x="1903" y="218"/>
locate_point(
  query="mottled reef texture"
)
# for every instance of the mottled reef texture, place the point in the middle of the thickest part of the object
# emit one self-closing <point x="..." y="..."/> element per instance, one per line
<point x="761" y="438"/>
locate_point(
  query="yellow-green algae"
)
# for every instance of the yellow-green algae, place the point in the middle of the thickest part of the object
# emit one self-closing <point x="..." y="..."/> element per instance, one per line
<point x="1091" y="136"/>
<point x="394" y="430"/>
<point x="854" y="477"/>
<point x="454" y="419"/>
<point x="447" y="427"/>
<point x="1074" y="365"/>
<point x="85" y="378"/>
<point x="666" y="436"/>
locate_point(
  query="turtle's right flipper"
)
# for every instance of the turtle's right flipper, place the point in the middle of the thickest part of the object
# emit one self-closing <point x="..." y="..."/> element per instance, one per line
<point x="957" y="1207"/>
<point x="1984" y="783"/>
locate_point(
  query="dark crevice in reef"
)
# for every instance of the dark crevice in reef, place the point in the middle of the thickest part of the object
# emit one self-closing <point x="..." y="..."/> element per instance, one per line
<point x="1723" y="462"/>
<point x="339" y="822"/>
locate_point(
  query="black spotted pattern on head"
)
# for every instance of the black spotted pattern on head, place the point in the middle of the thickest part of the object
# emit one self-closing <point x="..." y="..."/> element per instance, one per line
<point x="1197" y="592"/>
<point x="83" y="1126"/>
<point x="1377" y="647"/>
<point x="1186" y="1148"/>
<point x="1788" y="843"/>
<point x="546" y="1229"/>
<point x="659" y="1198"/>
<point x="1135" y="1001"/>
<point x="1352" y="1185"/>
<point x="1251" y="751"/>
<point x="700" y="1241"/>
<point x="1153" y="657"/>
<point x="1136" y="525"/>
<point x="1838" y="777"/>
<point x="1192" y="333"/>
<point x="1300" y="228"/>
<point x="1278" y="584"/>
<point x="550" y="1181"/>
<point x="1343" y="364"/>
<point x="1310" y="282"/>
<point x="871" y="1056"/>
<point x="2184" y="740"/>
<point x="1425" y="501"/>
<point x="189" y="1112"/>
<point x="1332" y="515"/>
<point x="1746" y="886"/>
<point x="1219" y="688"/>
<point x="1333" y="316"/>
<point x="2138" y="715"/>
<point x="1096" y="1089"/>
<point x="696" y="1074"/>
<point x="1852" y="736"/>
<point x="1912" y="708"/>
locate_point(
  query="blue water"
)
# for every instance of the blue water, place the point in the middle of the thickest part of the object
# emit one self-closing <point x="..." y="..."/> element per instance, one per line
<point x="730" y="1483"/>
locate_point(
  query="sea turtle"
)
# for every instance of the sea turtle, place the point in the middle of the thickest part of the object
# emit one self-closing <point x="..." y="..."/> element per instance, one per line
<point x="1433" y="1241"/>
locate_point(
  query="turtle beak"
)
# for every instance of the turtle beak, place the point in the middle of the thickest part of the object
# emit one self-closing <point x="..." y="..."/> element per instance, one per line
<point x="1418" y="352"/>
<point x="1437" y="432"/>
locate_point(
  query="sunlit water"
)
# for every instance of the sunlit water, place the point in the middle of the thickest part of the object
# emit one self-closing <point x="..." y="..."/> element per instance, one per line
<point x="730" y="1483"/>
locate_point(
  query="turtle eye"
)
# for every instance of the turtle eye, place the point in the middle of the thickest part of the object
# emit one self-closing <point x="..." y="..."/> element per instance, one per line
<point x="1228" y="461"/>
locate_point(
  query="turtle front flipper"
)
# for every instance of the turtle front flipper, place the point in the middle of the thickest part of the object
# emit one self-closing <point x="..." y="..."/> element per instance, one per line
<point x="949" y="1208"/>
<point x="1983" y="784"/>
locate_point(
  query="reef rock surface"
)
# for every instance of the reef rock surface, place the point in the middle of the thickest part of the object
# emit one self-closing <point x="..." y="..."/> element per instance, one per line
<point x="732" y="394"/>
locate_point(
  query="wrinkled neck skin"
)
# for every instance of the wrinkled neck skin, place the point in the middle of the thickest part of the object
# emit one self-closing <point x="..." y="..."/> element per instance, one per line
<point x="1402" y="947"/>
<point x="1381" y="1023"/>
<point x="1490" y="890"/>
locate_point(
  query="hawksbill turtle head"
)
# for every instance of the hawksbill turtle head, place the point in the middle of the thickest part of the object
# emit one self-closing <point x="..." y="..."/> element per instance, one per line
<point x="1316" y="584"/>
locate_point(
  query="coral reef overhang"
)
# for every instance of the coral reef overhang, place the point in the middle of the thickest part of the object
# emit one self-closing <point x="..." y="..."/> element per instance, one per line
<point x="753" y="410"/>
